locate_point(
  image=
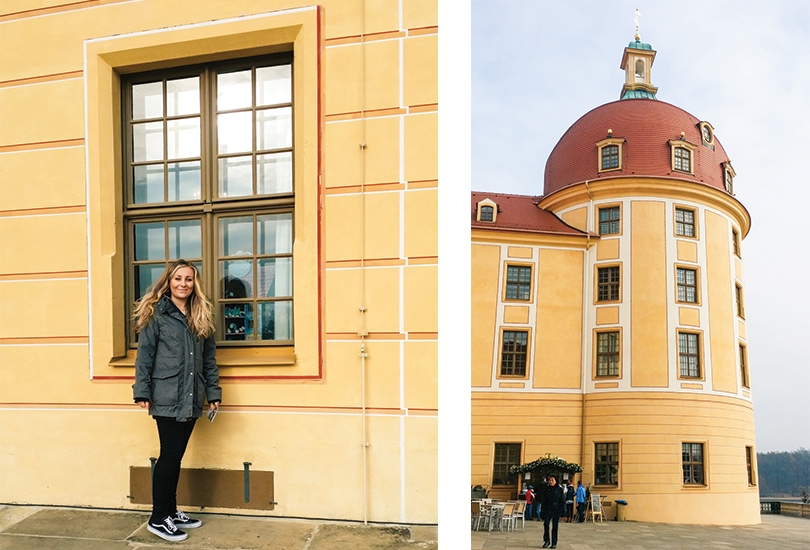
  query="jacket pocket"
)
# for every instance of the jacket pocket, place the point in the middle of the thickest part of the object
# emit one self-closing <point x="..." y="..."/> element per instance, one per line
<point x="165" y="389"/>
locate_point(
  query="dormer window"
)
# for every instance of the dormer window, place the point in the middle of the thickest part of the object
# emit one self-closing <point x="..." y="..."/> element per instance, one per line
<point x="610" y="153"/>
<point x="682" y="152"/>
<point x="728" y="177"/>
<point x="706" y="134"/>
<point x="487" y="211"/>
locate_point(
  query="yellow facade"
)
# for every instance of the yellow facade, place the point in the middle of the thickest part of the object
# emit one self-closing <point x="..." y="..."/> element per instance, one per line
<point x="673" y="443"/>
<point x="349" y="410"/>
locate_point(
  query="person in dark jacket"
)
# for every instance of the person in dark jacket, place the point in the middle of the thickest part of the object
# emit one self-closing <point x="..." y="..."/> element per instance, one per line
<point x="175" y="372"/>
<point x="569" y="502"/>
<point x="552" y="506"/>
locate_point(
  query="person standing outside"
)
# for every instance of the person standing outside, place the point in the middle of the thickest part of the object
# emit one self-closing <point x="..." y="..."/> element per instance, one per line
<point x="530" y="498"/>
<point x="175" y="372"/>
<point x="569" y="502"/>
<point x="581" y="496"/>
<point x="553" y="504"/>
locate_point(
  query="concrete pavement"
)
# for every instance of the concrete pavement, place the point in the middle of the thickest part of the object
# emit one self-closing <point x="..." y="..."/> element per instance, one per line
<point x="50" y="528"/>
<point x="775" y="532"/>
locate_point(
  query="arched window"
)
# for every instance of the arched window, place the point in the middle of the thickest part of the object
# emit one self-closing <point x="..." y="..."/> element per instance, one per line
<point x="640" y="70"/>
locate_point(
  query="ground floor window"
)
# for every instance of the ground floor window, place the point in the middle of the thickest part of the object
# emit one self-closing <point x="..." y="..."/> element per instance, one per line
<point x="506" y="455"/>
<point x="749" y="463"/>
<point x="606" y="463"/>
<point x="692" y="459"/>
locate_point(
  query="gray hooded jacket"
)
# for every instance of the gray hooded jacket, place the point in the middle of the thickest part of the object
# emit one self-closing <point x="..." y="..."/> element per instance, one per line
<point x="175" y="370"/>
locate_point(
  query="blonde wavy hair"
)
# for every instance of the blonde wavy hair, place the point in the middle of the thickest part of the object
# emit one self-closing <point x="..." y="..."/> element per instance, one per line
<point x="201" y="312"/>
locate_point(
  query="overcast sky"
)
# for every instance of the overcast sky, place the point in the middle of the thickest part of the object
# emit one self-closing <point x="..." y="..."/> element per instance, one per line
<point x="743" y="66"/>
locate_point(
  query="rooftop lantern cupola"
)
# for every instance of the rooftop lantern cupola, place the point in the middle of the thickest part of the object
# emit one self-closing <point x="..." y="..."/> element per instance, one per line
<point x="637" y="63"/>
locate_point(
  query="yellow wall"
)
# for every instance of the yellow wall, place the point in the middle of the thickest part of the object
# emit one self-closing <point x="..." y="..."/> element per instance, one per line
<point x="366" y="235"/>
<point x="485" y="261"/>
<point x="558" y="337"/>
<point x="647" y="409"/>
<point x="648" y="306"/>
<point x="650" y="428"/>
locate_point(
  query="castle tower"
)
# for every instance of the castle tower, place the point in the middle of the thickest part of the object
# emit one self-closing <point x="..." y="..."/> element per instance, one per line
<point x="646" y="385"/>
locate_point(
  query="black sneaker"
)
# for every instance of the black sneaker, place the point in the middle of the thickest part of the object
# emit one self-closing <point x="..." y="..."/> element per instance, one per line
<point x="184" y="522"/>
<point x="167" y="530"/>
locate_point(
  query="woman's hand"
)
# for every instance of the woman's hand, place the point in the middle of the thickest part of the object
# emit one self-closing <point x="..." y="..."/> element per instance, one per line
<point x="143" y="404"/>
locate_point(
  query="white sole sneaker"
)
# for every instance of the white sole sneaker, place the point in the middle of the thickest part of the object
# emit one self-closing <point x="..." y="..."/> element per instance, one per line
<point x="163" y="533"/>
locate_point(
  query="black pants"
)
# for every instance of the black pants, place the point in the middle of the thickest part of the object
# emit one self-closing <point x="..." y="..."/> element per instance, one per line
<point x="555" y="527"/>
<point x="174" y="438"/>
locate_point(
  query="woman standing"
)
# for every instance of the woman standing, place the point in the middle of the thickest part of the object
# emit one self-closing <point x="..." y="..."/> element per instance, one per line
<point x="175" y="372"/>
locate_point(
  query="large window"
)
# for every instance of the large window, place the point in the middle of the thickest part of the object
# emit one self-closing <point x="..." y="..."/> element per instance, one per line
<point x="506" y="456"/>
<point x="738" y="299"/>
<point x="208" y="175"/>
<point x="684" y="222"/>
<point x="744" y="367"/>
<point x="686" y="280"/>
<point x="606" y="464"/>
<point x="749" y="464"/>
<point x="609" y="219"/>
<point x="692" y="461"/>
<point x="689" y="354"/>
<point x="607" y="353"/>
<point x="514" y="352"/>
<point x="518" y="282"/>
<point x="607" y="285"/>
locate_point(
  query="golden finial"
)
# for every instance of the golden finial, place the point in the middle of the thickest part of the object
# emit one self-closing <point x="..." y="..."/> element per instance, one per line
<point x="638" y="34"/>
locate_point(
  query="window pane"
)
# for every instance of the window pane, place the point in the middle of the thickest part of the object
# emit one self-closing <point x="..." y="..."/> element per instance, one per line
<point x="237" y="321"/>
<point x="234" y="90"/>
<point x="183" y="96"/>
<point x="235" y="176"/>
<point x="274" y="173"/>
<point x="150" y="241"/>
<point x="183" y="138"/>
<point x="275" y="277"/>
<point x="274" y="85"/>
<point x="148" y="183"/>
<point x="235" y="133"/>
<point x="275" y="234"/>
<point x="185" y="239"/>
<point x="145" y="276"/>
<point x="184" y="181"/>
<point x="274" y="128"/>
<point x="147" y="141"/>
<point x="236" y="236"/>
<point x="275" y="320"/>
<point x="237" y="278"/>
<point x="147" y="100"/>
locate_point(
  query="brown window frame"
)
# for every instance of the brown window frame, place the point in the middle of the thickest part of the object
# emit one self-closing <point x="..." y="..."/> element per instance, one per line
<point x="610" y="358"/>
<point x="684" y="286"/>
<point x="690" y="355"/>
<point x="610" y="289"/>
<point x="606" y="463"/>
<point x="208" y="203"/>
<point x="610" y="223"/>
<point x="509" y="455"/>
<point x="514" y="361"/>
<point x="683" y="226"/>
<point x="749" y="464"/>
<point x="520" y="285"/>
<point x="743" y="352"/>
<point x="693" y="464"/>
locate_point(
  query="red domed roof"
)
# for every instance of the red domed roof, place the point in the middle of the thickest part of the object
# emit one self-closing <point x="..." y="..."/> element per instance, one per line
<point x="646" y="125"/>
